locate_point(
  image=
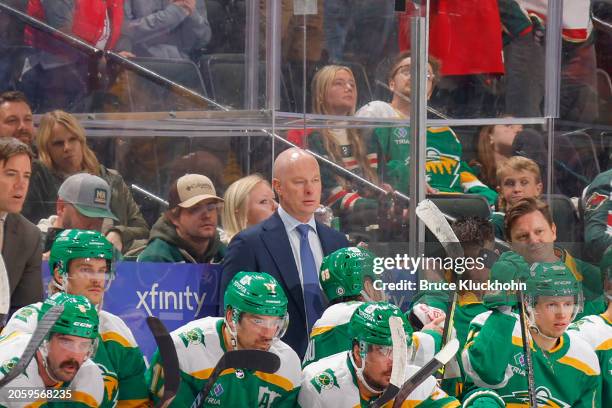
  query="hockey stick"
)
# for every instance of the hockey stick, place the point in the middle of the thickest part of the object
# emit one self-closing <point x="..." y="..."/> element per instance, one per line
<point x="440" y="359"/>
<point x="257" y="360"/>
<point x="434" y="219"/>
<point x="400" y="355"/>
<point x="5" y="293"/>
<point x="42" y="329"/>
<point x="167" y="351"/>
<point x="533" y="403"/>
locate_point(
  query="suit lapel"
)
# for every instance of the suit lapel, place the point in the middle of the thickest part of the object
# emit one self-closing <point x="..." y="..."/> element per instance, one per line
<point x="276" y="241"/>
<point x="326" y="239"/>
<point x="10" y="250"/>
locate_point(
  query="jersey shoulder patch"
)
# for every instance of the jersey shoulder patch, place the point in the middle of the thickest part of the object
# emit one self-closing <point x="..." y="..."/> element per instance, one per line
<point x="324" y="380"/>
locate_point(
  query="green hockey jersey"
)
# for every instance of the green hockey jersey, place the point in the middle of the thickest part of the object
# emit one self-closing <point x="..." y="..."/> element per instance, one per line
<point x="444" y="167"/>
<point x="598" y="215"/>
<point x="117" y="355"/>
<point x="332" y="382"/>
<point x="597" y="332"/>
<point x="200" y="345"/>
<point x="86" y="390"/>
<point x="566" y="376"/>
<point x="330" y="335"/>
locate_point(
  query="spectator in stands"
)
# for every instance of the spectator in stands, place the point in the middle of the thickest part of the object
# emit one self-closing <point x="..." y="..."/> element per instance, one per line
<point x="58" y="76"/>
<point x="517" y="178"/>
<point x="19" y="238"/>
<point x="16" y="117"/>
<point x="334" y="92"/>
<point x="494" y="148"/>
<point x="446" y="171"/>
<point x="175" y="29"/>
<point x="290" y="245"/>
<point x="187" y="231"/>
<point x="248" y="201"/>
<point x="598" y="216"/>
<point x="83" y="202"/>
<point x="63" y="151"/>
<point x="532" y="233"/>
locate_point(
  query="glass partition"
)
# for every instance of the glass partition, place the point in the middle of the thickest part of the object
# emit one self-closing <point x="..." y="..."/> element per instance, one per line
<point x="473" y="104"/>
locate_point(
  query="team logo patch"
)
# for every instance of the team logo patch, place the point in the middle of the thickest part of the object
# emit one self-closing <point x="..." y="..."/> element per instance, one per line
<point x="595" y="201"/>
<point x="193" y="336"/>
<point x="519" y="359"/>
<point x="325" y="380"/>
<point x="8" y="365"/>
<point x="24" y="314"/>
<point x="218" y="389"/>
<point x="271" y="287"/>
<point x="100" y="196"/>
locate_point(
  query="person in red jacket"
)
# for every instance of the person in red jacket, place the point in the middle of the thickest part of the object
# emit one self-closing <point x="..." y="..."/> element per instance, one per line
<point x="57" y="75"/>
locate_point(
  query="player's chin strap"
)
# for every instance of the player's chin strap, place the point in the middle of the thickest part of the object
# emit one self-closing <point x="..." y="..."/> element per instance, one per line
<point x="359" y="372"/>
<point x="231" y="328"/>
<point x="44" y="352"/>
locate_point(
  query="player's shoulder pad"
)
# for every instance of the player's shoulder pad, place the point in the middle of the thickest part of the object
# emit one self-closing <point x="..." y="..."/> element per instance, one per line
<point x="425" y="389"/>
<point x="337" y="314"/>
<point x="88" y="384"/>
<point x="195" y="333"/>
<point x="113" y="328"/>
<point x="326" y="374"/>
<point x="291" y="366"/>
<point x="24" y="320"/>
<point x="580" y="355"/>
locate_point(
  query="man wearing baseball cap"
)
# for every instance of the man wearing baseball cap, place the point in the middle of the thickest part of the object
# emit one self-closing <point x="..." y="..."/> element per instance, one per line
<point x="187" y="232"/>
<point x="83" y="202"/>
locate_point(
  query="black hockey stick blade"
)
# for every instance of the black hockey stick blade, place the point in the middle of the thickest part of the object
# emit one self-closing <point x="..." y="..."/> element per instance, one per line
<point x="256" y="360"/>
<point x="169" y="358"/>
<point x="441" y="358"/>
<point x="42" y="329"/>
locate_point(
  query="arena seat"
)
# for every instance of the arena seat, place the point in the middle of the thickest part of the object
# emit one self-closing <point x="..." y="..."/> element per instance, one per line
<point x="158" y="96"/>
<point x="224" y="75"/>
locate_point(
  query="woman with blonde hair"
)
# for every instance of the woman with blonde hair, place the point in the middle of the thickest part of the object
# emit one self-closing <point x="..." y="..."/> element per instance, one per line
<point x="334" y="92"/>
<point x="248" y="201"/>
<point x="62" y="152"/>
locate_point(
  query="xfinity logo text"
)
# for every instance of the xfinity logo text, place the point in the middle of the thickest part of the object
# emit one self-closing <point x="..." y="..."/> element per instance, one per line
<point x="170" y="300"/>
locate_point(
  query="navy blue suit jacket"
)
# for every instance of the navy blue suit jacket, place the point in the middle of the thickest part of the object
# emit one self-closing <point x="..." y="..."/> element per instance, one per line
<point x="265" y="247"/>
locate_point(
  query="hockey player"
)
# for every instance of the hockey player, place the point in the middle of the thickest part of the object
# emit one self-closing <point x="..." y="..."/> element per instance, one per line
<point x="357" y="377"/>
<point x="342" y="277"/>
<point x="478" y="241"/>
<point x="61" y="368"/>
<point x="81" y="264"/>
<point x="565" y="368"/>
<point x="255" y="318"/>
<point x="597" y="329"/>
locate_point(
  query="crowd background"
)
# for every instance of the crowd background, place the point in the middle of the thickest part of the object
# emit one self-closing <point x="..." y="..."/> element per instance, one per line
<point x="488" y="86"/>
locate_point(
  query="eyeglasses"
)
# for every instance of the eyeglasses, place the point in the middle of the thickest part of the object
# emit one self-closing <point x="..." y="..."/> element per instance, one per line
<point x="405" y="71"/>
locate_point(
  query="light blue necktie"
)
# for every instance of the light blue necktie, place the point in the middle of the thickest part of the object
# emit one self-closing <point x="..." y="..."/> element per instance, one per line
<point x="313" y="298"/>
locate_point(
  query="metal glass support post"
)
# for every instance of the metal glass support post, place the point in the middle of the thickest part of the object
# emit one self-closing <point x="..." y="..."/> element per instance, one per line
<point x="552" y="81"/>
<point x="273" y="61"/>
<point x="418" y="131"/>
<point x="251" y="66"/>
